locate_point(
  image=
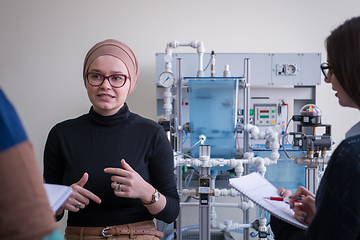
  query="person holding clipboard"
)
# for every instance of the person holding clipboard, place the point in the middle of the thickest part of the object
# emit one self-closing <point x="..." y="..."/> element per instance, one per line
<point x="334" y="213"/>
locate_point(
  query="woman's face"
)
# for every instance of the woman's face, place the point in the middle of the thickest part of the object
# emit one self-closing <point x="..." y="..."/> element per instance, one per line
<point x="344" y="99"/>
<point x="106" y="99"/>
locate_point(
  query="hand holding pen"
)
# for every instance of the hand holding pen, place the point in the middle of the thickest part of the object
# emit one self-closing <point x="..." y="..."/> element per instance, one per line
<point x="304" y="209"/>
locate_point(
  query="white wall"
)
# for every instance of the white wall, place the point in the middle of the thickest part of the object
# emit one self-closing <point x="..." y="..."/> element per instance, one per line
<point x="43" y="44"/>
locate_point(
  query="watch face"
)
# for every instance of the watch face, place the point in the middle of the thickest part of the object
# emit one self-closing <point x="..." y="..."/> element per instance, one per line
<point x="156" y="196"/>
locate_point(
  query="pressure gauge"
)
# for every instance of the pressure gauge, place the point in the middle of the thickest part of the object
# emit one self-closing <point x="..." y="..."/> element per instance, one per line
<point x="166" y="79"/>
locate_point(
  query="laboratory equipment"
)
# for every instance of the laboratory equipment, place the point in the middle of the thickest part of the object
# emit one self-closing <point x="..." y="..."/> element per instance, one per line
<point x="315" y="145"/>
<point x="166" y="79"/>
<point x="231" y="124"/>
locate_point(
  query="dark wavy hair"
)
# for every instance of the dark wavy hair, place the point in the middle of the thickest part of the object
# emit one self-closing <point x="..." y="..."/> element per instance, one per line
<point x="343" y="49"/>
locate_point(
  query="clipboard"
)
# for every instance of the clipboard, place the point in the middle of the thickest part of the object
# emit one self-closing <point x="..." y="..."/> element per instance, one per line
<point x="256" y="187"/>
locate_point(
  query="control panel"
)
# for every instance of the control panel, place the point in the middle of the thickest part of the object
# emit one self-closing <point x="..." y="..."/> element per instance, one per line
<point x="265" y="114"/>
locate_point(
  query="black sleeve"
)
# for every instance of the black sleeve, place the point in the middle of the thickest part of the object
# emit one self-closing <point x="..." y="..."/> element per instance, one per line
<point x="53" y="164"/>
<point x="162" y="176"/>
<point x="285" y="231"/>
<point x="53" y="161"/>
<point x="337" y="207"/>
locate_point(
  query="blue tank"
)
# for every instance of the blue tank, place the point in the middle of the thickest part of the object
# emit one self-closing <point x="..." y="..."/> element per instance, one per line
<point x="212" y="109"/>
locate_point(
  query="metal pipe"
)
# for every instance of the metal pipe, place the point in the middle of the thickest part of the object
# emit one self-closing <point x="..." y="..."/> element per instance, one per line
<point x="246" y="103"/>
<point x="179" y="106"/>
<point x="179" y="145"/>
<point x="311" y="178"/>
<point x="246" y="134"/>
<point x="195" y="204"/>
<point x="236" y="102"/>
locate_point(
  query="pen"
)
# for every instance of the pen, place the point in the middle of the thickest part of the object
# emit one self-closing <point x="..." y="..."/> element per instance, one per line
<point x="282" y="199"/>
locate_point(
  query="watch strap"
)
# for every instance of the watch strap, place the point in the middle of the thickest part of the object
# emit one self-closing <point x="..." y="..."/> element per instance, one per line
<point x="153" y="198"/>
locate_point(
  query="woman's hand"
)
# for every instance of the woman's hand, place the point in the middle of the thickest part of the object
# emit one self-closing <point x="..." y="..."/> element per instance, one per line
<point x="284" y="192"/>
<point x="129" y="184"/>
<point x="304" y="209"/>
<point x="80" y="196"/>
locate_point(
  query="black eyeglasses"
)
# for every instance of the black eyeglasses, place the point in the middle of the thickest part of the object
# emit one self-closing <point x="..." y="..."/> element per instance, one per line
<point x="115" y="80"/>
<point x="326" y="70"/>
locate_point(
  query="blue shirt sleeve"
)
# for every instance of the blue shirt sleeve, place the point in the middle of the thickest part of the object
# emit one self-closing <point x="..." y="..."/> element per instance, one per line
<point x="55" y="235"/>
<point x="11" y="129"/>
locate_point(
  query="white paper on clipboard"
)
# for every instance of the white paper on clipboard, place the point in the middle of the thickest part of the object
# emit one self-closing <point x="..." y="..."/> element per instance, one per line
<point x="256" y="188"/>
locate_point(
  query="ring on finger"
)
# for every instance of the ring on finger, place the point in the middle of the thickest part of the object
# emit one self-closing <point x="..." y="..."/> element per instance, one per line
<point x="78" y="205"/>
<point x="118" y="187"/>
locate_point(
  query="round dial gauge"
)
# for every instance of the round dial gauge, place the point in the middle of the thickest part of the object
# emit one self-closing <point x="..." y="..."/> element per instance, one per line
<point x="166" y="79"/>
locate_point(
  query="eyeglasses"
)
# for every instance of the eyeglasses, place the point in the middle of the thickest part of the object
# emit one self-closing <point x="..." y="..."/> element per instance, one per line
<point x="326" y="70"/>
<point x="115" y="80"/>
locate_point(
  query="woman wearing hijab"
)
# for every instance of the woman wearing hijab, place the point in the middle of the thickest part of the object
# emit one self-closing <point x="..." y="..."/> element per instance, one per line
<point x="119" y="164"/>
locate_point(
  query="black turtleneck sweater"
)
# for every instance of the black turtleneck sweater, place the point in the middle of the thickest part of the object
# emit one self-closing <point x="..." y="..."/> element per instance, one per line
<point x="91" y="143"/>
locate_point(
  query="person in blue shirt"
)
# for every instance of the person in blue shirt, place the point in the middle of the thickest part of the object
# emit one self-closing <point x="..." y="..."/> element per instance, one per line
<point x="25" y="211"/>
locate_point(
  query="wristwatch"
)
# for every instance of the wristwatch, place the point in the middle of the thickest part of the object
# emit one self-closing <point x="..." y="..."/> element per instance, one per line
<point x="154" y="199"/>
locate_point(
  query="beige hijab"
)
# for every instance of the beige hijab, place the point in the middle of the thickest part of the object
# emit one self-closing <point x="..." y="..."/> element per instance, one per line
<point x="116" y="49"/>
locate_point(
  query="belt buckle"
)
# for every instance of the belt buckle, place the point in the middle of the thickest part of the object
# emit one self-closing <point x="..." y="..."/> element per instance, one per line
<point x="105" y="230"/>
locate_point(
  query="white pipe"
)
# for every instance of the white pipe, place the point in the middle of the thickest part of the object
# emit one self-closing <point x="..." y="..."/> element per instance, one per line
<point x="217" y="192"/>
<point x="194" y="44"/>
<point x="167" y="103"/>
<point x="271" y="135"/>
<point x="262" y="226"/>
<point x="243" y="205"/>
<point x="229" y="225"/>
<point x="168" y="58"/>
<point x="234" y="163"/>
<point x="189" y="204"/>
